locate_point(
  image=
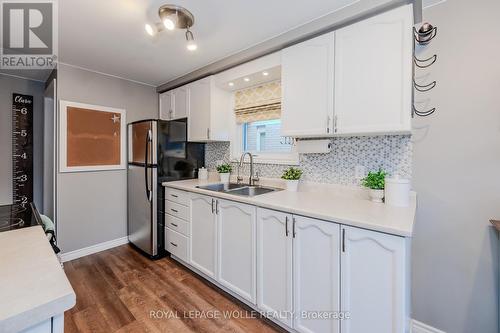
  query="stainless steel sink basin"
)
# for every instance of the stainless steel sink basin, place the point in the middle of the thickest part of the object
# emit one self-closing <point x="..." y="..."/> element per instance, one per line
<point x="251" y="191"/>
<point x="239" y="189"/>
<point x="222" y="187"/>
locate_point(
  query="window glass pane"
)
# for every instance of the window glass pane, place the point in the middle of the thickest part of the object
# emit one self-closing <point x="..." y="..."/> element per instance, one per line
<point x="264" y="136"/>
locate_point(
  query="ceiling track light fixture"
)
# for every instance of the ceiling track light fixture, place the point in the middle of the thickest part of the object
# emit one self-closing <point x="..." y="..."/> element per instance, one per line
<point x="174" y="17"/>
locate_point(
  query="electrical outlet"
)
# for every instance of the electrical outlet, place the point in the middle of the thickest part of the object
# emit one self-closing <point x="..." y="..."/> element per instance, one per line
<point x="359" y="172"/>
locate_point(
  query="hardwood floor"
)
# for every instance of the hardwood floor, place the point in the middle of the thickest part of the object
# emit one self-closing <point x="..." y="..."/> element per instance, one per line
<point x="121" y="291"/>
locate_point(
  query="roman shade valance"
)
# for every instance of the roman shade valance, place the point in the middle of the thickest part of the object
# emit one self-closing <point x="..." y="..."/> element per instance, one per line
<point x="262" y="102"/>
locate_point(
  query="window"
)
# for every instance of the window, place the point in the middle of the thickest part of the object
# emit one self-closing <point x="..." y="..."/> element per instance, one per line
<point x="257" y="112"/>
<point x="264" y="136"/>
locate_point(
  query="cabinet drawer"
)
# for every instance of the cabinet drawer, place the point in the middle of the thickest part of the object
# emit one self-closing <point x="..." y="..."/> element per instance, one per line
<point x="177" y="224"/>
<point x="176" y="244"/>
<point x="177" y="210"/>
<point x="177" y="196"/>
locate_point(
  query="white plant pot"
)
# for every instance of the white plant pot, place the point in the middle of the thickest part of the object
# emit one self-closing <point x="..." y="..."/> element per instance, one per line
<point x="224" y="177"/>
<point x="292" y="185"/>
<point x="377" y="195"/>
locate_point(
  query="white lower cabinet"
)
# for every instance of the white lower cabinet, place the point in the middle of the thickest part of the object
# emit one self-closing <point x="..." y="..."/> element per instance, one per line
<point x="298" y="258"/>
<point x="316" y="275"/>
<point x="203" y="249"/>
<point x="51" y="325"/>
<point x="274" y="264"/>
<point x="374" y="285"/>
<point x="300" y="271"/>
<point x="236" y="248"/>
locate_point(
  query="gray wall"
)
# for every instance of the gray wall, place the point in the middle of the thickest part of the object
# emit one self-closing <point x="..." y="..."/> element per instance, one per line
<point x="92" y="206"/>
<point x="9" y="85"/>
<point x="456" y="158"/>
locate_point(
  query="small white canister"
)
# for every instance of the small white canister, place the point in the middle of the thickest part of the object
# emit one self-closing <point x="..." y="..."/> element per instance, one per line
<point x="202" y="174"/>
<point x="397" y="191"/>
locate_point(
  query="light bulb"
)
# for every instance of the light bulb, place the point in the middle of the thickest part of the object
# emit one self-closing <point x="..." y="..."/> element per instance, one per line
<point x="191" y="44"/>
<point x="265" y="73"/>
<point x="231" y="84"/>
<point x="246" y="79"/>
<point x="169" y="23"/>
<point x="149" y="29"/>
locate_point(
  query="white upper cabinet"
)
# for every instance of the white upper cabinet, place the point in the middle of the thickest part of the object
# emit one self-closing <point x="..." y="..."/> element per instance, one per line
<point x="237" y="248"/>
<point x="181" y="103"/>
<point x="174" y="104"/>
<point x="374" y="282"/>
<point x="316" y="274"/>
<point x="209" y="108"/>
<point x="203" y="245"/>
<point x="307" y="87"/>
<point x="373" y="74"/>
<point x="274" y="264"/>
<point x="166" y="105"/>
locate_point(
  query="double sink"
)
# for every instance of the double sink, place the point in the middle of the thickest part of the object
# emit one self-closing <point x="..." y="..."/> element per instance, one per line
<point x="239" y="189"/>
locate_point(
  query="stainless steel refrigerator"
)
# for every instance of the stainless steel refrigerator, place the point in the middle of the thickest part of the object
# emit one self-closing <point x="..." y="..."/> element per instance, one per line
<point x="158" y="152"/>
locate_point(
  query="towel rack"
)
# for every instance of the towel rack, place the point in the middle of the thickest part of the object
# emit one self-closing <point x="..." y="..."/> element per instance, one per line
<point x="423" y="36"/>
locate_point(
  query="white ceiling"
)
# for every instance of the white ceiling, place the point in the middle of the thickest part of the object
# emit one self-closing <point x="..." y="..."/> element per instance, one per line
<point x="108" y="35"/>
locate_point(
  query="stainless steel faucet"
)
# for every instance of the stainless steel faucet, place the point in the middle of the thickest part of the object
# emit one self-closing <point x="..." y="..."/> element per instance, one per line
<point x="251" y="179"/>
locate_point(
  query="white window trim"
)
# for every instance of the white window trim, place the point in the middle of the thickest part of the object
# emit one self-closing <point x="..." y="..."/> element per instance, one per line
<point x="291" y="158"/>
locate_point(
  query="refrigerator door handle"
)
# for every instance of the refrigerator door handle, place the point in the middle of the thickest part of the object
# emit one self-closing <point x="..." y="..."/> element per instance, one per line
<point x="148" y="191"/>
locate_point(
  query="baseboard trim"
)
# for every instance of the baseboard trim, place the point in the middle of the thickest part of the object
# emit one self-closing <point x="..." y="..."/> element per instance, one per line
<point x="72" y="255"/>
<point x="418" y="327"/>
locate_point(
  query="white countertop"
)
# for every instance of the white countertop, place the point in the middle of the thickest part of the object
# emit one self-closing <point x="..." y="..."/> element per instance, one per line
<point x="340" y="204"/>
<point x="33" y="285"/>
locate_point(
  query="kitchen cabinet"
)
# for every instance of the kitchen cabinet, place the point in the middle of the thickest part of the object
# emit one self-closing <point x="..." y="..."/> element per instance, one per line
<point x="307" y="87"/>
<point x="316" y="274"/>
<point x="203" y="223"/>
<point x="274" y="264"/>
<point x="373" y="74"/>
<point x="166" y="105"/>
<point x="374" y="282"/>
<point x="298" y="259"/>
<point x="236" y="225"/>
<point x="174" y="104"/>
<point x="51" y="325"/>
<point x="209" y="110"/>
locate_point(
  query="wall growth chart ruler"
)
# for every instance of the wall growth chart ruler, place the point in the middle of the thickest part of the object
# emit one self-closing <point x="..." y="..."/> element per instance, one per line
<point x="22" y="148"/>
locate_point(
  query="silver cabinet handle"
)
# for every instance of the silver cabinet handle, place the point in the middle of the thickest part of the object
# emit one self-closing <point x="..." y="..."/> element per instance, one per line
<point x="175" y="225"/>
<point x="343" y="240"/>
<point x="208" y="133"/>
<point x="286" y="226"/>
<point x="217" y="207"/>
<point x="175" y="196"/>
<point x="335" y="120"/>
<point x="212" y="205"/>
<point x="174" y="210"/>
<point x="173" y="244"/>
<point x="328" y="124"/>
<point x="293" y="227"/>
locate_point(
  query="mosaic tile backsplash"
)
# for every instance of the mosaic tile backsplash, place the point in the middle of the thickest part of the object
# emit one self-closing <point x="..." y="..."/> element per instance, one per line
<point x="392" y="153"/>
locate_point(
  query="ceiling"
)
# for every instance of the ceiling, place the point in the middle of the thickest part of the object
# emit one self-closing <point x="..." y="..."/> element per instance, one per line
<point x="108" y="36"/>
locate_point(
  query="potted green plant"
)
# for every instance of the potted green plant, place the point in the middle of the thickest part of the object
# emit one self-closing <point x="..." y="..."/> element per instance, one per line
<point x="292" y="176"/>
<point x="375" y="181"/>
<point x="224" y="171"/>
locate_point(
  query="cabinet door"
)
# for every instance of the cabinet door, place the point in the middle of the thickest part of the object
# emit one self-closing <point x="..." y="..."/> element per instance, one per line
<point x="274" y="264"/>
<point x="181" y="103"/>
<point x="203" y="243"/>
<point x="316" y="274"/>
<point x="373" y="74"/>
<point x="307" y="87"/>
<point x="166" y="105"/>
<point x="199" y="110"/>
<point x="237" y="247"/>
<point x="373" y="282"/>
